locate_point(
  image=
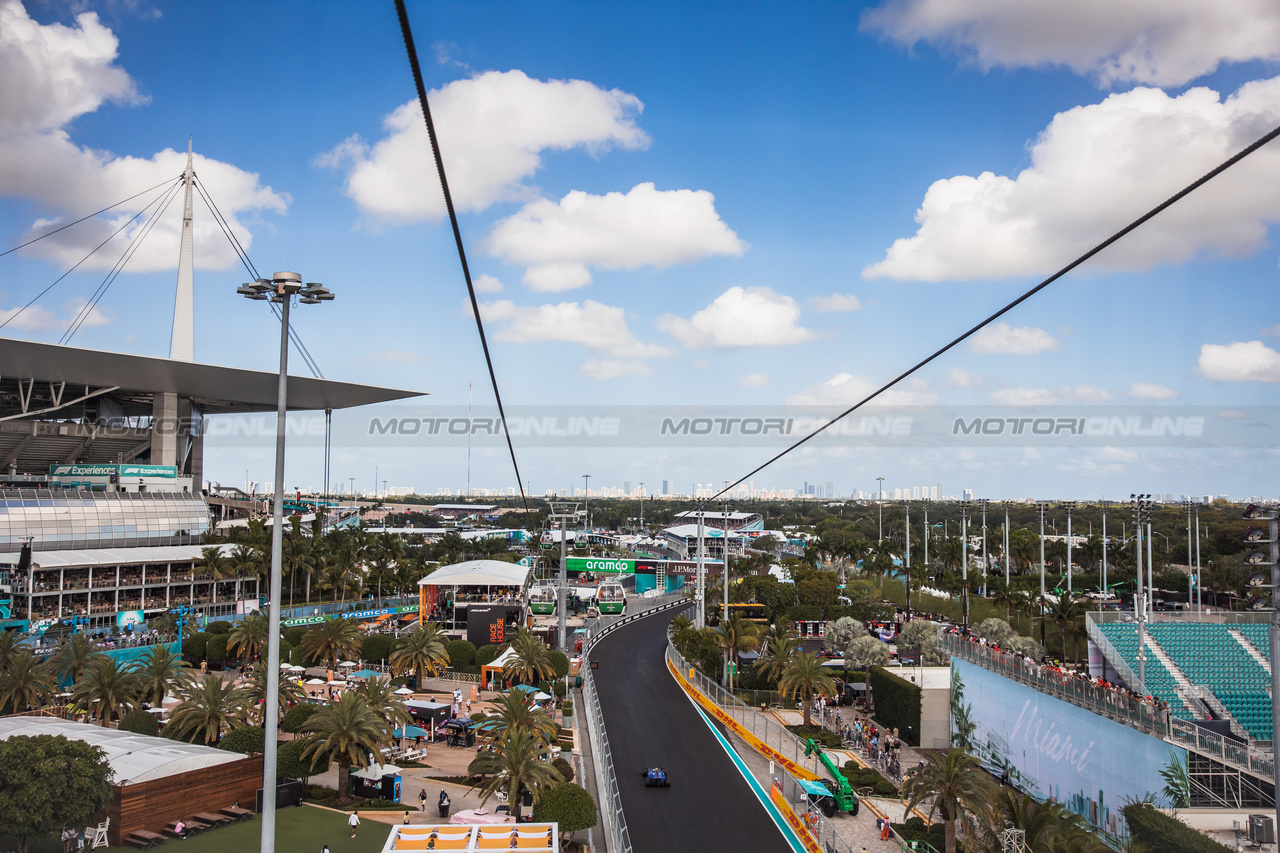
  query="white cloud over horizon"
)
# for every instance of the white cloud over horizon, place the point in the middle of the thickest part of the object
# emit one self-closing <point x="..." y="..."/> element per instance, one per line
<point x="602" y="369"/>
<point x="598" y="327"/>
<point x="1239" y="361"/>
<point x="1030" y="396"/>
<point x="493" y="128"/>
<point x="1094" y="169"/>
<point x="755" y="380"/>
<point x="1161" y="42"/>
<point x="1150" y="391"/>
<point x="740" y="317"/>
<point x="1003" y="339"/>
<point x="845" y="389"/>
<point x="37" y="318"/>
<point x="558" y="242"/>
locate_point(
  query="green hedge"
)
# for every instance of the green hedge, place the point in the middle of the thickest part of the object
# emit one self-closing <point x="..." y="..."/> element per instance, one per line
<point x="375" y="648"/>
<point x="219" y="627"/>
<point x="294" y="635"/>
<point x="559" y="663"/>
<point x="897" y="704"/>
<point x="246" y="740"/>
<point x="1157" y="831"/>
<point x="461" y="654"/>
<point x="215" y="650"/>
<point x="295" y="719"/>
<point x="140" y="723"/>
<point x="487" y="654"/>
<point x="193" y="647"/>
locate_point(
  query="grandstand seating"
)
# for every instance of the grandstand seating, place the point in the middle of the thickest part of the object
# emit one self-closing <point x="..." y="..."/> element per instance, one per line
<point x="1209" y="655"/>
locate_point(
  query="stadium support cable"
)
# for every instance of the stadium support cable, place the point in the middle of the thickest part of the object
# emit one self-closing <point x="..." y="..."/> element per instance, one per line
<point x="403" y="14"/>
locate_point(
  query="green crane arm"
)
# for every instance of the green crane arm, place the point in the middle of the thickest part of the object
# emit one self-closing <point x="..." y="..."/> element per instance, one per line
<point x="845" y="797"/>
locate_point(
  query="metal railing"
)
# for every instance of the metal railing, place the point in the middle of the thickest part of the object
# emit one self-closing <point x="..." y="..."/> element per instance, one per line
<point x="614" y="823"/>
<point x="645" y="606"/>
<point x="1186" y="734"/>
<point x="1113" y="655"/>
<point x="1113" y="704"/>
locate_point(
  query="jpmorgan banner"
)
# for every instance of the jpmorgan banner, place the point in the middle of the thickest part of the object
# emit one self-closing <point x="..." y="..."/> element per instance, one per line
<point x="694" y="426"/>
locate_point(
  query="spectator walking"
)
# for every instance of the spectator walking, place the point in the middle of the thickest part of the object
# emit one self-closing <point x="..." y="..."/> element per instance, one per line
<point x="353" y="822"/>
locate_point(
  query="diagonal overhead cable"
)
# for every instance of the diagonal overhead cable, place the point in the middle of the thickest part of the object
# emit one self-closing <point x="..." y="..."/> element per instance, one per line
<point x="1141" y="220"/>
<point x="457" y="233"/>
<point x="81" y="219"/>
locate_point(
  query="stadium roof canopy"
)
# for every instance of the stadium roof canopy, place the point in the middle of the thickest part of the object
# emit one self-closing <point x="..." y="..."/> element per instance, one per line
<point x="137" y="378"/>
<point x="134" y="758"/>
<point x="478" y="573"/>
<point x="90" y="557"/>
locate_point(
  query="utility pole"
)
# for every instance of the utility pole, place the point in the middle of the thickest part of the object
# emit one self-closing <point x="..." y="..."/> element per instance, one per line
<point x="1104" y="550"/>
<point x="586" y="507"/>
<point x="881" y="499"/>
<point x="1042" y="505"/>
<point x="907" y="528"/>
<point x="641" y="508"/>
<point x="1191" y="578"/>
<point x="1199" y="577"/>
<point x="926" y="537"/>
<point x="1138" y="503"/>
<point x="1006" y="545"/>
<point x="563" y="512"/>
<point x="1070" y="505"/>
<point x="964" y="563"/>
<point x="700" y="586"/>
<point x="983" y="503"/>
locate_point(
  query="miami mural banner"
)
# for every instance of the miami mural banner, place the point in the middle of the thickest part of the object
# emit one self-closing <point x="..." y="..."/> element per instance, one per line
<point x="1054" y="750"/>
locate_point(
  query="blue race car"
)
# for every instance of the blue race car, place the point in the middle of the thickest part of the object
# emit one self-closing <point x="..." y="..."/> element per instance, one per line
<point x="656" y="777"/>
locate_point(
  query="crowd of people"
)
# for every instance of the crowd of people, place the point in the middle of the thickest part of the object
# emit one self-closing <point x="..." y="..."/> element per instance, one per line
<point x="882" y="748"/>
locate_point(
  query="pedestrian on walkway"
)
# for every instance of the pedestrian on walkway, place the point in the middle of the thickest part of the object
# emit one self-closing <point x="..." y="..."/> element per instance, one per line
<point x="353" y="822"/>
<point x="422" y="800"/>
<point x="886" y="831"/>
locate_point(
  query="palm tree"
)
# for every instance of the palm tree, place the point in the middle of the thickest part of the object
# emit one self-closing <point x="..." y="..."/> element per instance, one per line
<point x="1048" y="825"/>
<point x="249" y="636"/>
<point x="112" y="688"/>
<point x="1066" y="613"/>
<point x="73" y="654"/>
<point x="208" y="709"/>
<point x="529" y="661"/>
<point x="27" y="682"/>
<point x="331" y="640"/>
<point x="211" y="564"/>
<point x="380" y="693"/>
<point x="519" y="762"/>
<point x="246" y="561"/>
<point x="160" y="669"/>
<point x="255" y="693"/>
<point x="10" y="642"/>
<point x="515" y="710"/>
<point x="347" y="732"/>
<point x="775" y="654"/>
<point x="735" y="635"/>
<point x="806" y="677"/>
<point x="297" y="553"/>
<point x="955" y="783"/>
<point x="387" y="550"/>
<point x="422" y="651"/>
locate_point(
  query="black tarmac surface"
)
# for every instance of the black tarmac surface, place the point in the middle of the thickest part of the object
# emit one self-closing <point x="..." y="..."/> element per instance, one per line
<point x="709" y="806"/>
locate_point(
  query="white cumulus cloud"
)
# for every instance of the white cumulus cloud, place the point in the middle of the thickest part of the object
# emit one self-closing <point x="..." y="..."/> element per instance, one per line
<point x="1150" y="391"/>
<point x="602" y="369"/>
<point x="836" y="303"/>
<point x="1023" y="397"/>
<point x="493" y="129"/>
<point x="755" y="380"/>
<point x="1239" y="361"/>
<point x="1095" y="169"/>
<point x="845" y="389"/>
<point x="601" y="328"/>
<point x="559" y="241"/>
<point x="1164" y="42"/>
<point x="1001" y="338"/>
<point x="54" y="74"/>
<point x="740" y="317"/>
<point x="957" y="378"/>
<point x="484" y="283"/>
<point x="40" y="319"/>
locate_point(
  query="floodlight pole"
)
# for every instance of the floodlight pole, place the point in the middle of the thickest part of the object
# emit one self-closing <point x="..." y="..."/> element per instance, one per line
<point x="701" y="586"/>
<point x="907" y="561"/>
<point x="983" y="503"/>
<point x="1104" y="552"/>
<point x="281" y="288"/>
<point x="1042" y="505"/>
<point x="1070" y="505"/>
<point x="964" y="563"/>
<point x="562" y="513"/>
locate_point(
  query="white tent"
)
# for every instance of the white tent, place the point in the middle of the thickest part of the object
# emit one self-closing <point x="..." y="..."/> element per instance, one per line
<point x="478" y="573"/>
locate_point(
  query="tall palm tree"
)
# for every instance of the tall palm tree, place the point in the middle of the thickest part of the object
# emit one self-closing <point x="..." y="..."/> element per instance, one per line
<point x="160" y="670"/>
<point x="518" y="763"/>
<point x="775" y="654"/>
<point x="10" y="642"/>
<point x="380" y="693"/>
<point x="27" y="682"/>
<point x="211" y="564"/>
<point x="288" y="693"/>
<point x="250" y="635"/>
<point x="73" y="654"/>
<point x="387" y="550"/>
<point x="1048" y="825"/>
<point x="297" y="553"/>
<point x="108" y="688"/>
<point x="347" y="732"/>
<point x="208" y="709"/>
<point x="954" y="782"/>
<point x="529" y="661"/>
<point x="422" y="651"/>
<point x="515" y="710"/>
<point x="1067" y="613"/>
<point x="735" y="635"/>
<point x="331" y="640"/>
<point x="806" y="677"/>
<point x="246" y="561"/>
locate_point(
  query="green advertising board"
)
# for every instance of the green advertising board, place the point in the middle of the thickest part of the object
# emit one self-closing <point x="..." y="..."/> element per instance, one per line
<point x="600" y="565"/>
<point x="167" y="471"/>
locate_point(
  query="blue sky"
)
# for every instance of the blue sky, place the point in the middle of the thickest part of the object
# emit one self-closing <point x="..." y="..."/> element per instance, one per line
<point x="683" y="204"/>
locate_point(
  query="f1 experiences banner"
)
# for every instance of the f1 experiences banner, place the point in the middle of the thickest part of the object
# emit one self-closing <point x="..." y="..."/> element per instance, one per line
<point x="1055" y="750"/>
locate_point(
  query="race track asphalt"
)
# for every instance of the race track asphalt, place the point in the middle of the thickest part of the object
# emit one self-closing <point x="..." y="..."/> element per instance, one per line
<point x="650" y="721"/>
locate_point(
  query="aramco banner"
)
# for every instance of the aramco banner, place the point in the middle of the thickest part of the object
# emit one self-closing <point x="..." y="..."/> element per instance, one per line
<point x="1054" y="750"/>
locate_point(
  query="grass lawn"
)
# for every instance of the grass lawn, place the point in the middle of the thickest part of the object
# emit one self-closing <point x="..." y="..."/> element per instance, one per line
<point x="305" y="830"/>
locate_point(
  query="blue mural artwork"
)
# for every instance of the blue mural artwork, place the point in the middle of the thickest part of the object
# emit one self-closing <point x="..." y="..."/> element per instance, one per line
<point x="1054" y="750"/>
